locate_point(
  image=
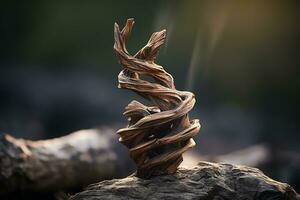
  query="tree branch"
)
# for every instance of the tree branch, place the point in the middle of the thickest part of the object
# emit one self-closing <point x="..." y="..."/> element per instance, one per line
<point x="67" y="162"/>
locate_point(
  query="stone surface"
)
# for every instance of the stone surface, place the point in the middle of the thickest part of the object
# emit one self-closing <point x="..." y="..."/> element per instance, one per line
<point x="205" y="181"/>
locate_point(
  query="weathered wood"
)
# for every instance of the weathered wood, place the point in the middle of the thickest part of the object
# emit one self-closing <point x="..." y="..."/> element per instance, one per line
<point x="159" y="134"/>
<point x="205" y="181"/>
<point x="67" y="162"/>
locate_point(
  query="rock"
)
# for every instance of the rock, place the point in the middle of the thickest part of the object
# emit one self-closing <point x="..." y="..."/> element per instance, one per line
<point x="205" y="181"/>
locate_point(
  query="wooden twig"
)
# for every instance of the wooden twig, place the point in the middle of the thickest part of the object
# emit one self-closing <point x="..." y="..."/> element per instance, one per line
<point x="157" y="135"/>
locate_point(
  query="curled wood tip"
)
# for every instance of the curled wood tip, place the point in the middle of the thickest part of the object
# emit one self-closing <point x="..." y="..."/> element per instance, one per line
<point x="159" y="134"/>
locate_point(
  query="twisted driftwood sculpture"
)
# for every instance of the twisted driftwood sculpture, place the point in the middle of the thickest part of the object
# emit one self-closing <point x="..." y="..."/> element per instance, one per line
<point x="158" y="135"/>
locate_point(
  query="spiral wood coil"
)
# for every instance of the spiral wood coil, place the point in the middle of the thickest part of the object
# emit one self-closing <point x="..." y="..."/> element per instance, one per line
<point x="157" y="135"/>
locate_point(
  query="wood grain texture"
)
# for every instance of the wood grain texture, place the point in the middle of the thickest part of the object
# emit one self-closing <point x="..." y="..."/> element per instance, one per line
<point x="207" y="181"/>
<point x="157" y="135"/>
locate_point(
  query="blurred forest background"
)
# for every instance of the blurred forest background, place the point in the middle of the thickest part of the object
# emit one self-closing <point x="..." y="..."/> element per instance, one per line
<point x="58" y="71"/>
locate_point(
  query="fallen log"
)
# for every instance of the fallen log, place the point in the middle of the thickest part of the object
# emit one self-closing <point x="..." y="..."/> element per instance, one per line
<point x="68" y="162"/>
<point x="205" y="181"/>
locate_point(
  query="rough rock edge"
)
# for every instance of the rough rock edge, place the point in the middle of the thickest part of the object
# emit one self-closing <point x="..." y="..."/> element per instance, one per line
<point x="205" y="181"/>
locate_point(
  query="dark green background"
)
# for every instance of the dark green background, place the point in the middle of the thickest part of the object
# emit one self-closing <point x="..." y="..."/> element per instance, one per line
<point x="58" y="71"/>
